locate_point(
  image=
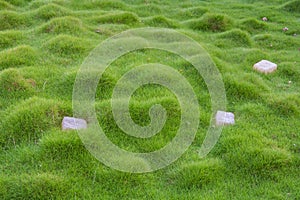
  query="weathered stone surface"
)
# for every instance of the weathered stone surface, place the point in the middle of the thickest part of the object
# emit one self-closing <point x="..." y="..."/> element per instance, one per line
<point x="265" y="66"/>
<point x="71" y="123"/>
<point x="224" y="118"/>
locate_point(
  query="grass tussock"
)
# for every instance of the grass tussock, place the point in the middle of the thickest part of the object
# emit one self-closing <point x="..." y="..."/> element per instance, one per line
<point x="292" y="6"/>
<point x="233" y="38"/>
<point x="118" y="18"/>
<point x="50" y="11"/>
<point x="66" y="45"/>
<point x="61" y="145"/>
<point x="28" y="120"/>
<point x="212" y="22"/>
<point x="269" y="41"/>
<point x="286" y="104"/>
<point x="68" y="25"/>
<point x="104" y="5"/>
<point x="19" y="2"/>
<point x="14" y="85"/>
<point x="12" y="20"/>
<point x="10" y="38"/>
<point x="190" y="13"/>
<point x="22" y="55"/>
<point x="248" y="86"/>
<point x="253" y="25"/>
<point x="161" y="21"/>
<point x="200" y="174"/>
<point x="33" y="186"/>
<point x="5" y="6"/>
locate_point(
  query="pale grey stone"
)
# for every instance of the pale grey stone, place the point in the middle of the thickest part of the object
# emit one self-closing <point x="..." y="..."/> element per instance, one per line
<point x="224" y="118"/>
<point x="71" y="123"/>
<point x="265" y="66"/>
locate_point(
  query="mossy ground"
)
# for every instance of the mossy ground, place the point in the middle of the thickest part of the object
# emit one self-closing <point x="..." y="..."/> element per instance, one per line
<point x="43" y="43"/>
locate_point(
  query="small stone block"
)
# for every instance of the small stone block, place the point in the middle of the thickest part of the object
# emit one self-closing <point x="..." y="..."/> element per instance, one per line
<point x="71" y="123"/>
<point x="224" y="118"/>
<point x="265" y="66"/>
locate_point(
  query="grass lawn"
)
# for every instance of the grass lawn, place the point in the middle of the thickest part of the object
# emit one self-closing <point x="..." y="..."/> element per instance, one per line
<point x="42" y="46"/>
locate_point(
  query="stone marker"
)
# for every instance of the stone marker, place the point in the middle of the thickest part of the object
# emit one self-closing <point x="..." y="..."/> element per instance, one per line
<point x="224" y="118"/>
<point x="71" y="123"/>
<point x="265" y="66"/>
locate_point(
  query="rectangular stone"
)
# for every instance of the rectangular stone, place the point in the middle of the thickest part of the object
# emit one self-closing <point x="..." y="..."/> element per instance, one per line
<point x="71" y="123"/>
<point x="224" y="118"/>
<point x="265" y="66"/>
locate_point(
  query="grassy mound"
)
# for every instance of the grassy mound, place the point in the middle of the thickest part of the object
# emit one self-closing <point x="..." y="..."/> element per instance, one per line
<point x="14" y="85"/>
<point x="247" y="86"/>
<point x="12" y="20"/>
<point x="200" y="174"/>
<point x="10" y="38"/>
<point x="270" y="41"/>
<point x="292" y="6"/>
<point x="61" y="145"/>
<point x="68" y="25"/>
<point x="27" y="121"/>
<point x="286" y="104"/>
<point x="161" y="21"/>
<point x="18" y="56"/>
<point x="253" y="56"/>
<point x="212" y="22"/>
<point x="5" y="6"/>
<point x="66" y="45"/>
<point x="233" y="38"/>
<point x="33" y="186"/>
<point x="290" y="70"/>
<point x="195" y="12"/>
<point x="99" y="5"/>
<point x="51" y="10"/>
<point x="118" y="18"/>
<point x="19" y="2"/>
<point x="253" y="25"/>
<point x="147" y="10"/>
<point x="140" y="115"/>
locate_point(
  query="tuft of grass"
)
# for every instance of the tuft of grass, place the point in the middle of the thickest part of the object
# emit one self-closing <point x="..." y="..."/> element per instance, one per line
<point x="161" y="21"/>
<point x="272" y="41"/>
<point x="12" y="20"/>
<point x="65" y="45"/>
<point x="233" y="38"/>
<point x="19" y="56"/>
<point x="14" y="85"/>
<point x="288" y="104"/>
<point x="5" y="6"/>
<point x="246" y="86"/>
<point x="118" y="18"/>
<point x="28" y="120"/>
<point x="59" y="145"/>
<point x="253" y="25"/>
<point x="19" y="2"/>
<point x="292" y="6"/>
<point x="10" y="38"/>
<point x="50" y="11"/>
<point x="253" y="56"/>
<point x="212" y="22"/>
<point x="102" y="5"/>
<point x="68" y="25"/>
<point x="33" y="186"/>
<point x="260" y="161"/>
<point x="199" y="174"/>
<point x="147" y="10"/>
<point x="194" y="12"/>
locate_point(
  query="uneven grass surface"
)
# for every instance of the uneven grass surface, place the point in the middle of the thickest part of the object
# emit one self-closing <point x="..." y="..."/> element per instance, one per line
<point x="42" y="45"/>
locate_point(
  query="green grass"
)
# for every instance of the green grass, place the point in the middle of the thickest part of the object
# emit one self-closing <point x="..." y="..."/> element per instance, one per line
<point x="42" y="45"/>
